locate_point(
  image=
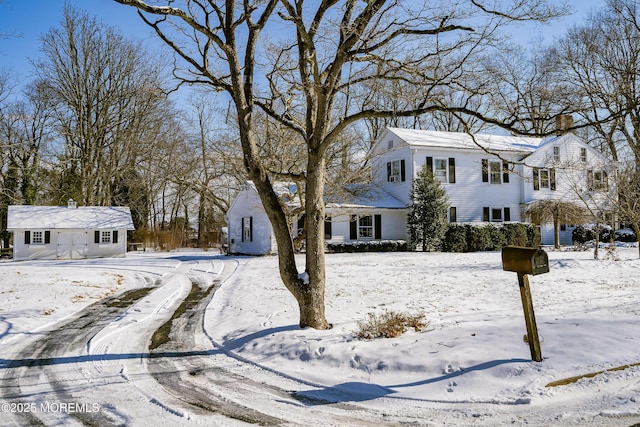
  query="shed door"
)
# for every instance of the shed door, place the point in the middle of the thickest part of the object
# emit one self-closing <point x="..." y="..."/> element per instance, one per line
<point x="72" y="244"/>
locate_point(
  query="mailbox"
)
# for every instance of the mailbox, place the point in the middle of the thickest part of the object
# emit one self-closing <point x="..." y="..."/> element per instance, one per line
<point x="525" y="260"/>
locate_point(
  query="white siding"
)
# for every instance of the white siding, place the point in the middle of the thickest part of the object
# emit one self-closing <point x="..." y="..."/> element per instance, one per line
<point x="68" y="244"/>
<point x="248" y="205"/>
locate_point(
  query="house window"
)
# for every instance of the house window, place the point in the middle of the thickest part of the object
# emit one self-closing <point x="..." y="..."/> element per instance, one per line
<point x="365" y="227"/>
<point x="597" y="180"/>
<point x="583" y="155"/>
<point x="453" y="214"/>
<point x="37" y="238"/>
<point x="496" y="215"/>
<point x="327" y="228"/>
<point x="440" y="169"/>
<point x="556" y="154"/>
<point x="444" y="170"/>
<point x="544" y="179"/>
<point x="247" y="229"/>
<point x="395" y="171"/>
<point x="105" y="237"/>
<point x="495" y="172"/>
<point x="490" y="214"/>
<point x="390" y="144"/>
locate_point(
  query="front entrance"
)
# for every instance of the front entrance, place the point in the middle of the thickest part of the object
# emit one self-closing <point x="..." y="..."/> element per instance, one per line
<point x="72" y="244"/>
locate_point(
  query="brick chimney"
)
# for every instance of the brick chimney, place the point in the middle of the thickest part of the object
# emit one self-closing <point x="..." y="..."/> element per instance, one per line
<point x="563" y="123"/>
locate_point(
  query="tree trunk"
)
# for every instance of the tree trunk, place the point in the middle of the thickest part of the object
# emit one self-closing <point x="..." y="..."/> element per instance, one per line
<point x="312" y="293"/>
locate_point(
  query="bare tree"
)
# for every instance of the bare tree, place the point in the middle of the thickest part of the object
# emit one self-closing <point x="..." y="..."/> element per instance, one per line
<point x="317" y="52"/>
<point x="597" y="71"/>
<point x="104" y="89"/>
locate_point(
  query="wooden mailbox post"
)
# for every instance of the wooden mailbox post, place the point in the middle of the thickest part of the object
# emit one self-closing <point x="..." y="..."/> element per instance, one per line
<point x="525" y="261"/>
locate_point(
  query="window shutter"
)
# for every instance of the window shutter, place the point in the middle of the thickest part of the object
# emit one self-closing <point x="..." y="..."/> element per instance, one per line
<point x="96" y="236"/>
<point x="353" y="228"/>
<point x="377" y="225"/>
<point x="507" y="214"/>
<point x="27" y="237"/>
<point x="452" y="170"/>
<point x="251" y="229"/>
<point x="242" y="229"/>
<point x="605" y="180"/>
<point x="114" y="238"/>
<point x="452" y="214"/>
<point x="402" y="172"/>
<point x="430" y="166"/>
<point x="388" y="171"/>
<point x="590" y="180"/>
<point x="552" y="178"/>
<point x="327" y="228"/>
<point x="47" y="237"/>
<point x="485" y="170"/>
<point x="505" y="172"/>
<point x="485" y="214"/>
<point x="536" y="181"/>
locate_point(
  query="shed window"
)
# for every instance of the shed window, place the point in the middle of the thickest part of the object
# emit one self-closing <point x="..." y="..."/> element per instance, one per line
<point x="105" y="237"/>
<point x="37" y="238"/>
<point x="247" y="229"/>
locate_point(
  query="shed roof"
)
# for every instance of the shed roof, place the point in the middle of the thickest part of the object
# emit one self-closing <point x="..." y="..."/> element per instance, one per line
<point x="62" y="217"/>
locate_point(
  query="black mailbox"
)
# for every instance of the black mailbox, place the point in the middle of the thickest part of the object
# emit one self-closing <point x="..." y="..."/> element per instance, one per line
<point x="525" y="260"/>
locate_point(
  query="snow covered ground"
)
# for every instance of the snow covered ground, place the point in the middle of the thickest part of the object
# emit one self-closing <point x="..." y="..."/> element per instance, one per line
<point x="470" y="366"/>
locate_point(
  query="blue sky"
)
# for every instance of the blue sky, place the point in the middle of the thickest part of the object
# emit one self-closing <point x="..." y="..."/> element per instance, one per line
<point x="28" y="20"/>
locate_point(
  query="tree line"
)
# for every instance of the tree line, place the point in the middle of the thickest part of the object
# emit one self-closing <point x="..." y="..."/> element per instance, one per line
<point x="97" y="125"/>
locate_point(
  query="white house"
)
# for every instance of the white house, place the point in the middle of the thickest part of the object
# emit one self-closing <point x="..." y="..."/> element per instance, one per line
<point x="370" y="214"/>
<point x="491" y="178"/>
<point x="68" y="232"/>
<point x="488" y="178"/>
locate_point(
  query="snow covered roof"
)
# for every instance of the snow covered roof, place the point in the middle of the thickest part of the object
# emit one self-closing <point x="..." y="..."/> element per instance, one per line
<point x="63" y="217"/>
<point x="459" y="140"/>
<point x="365" y="197"/>
<point x="354" y="196"/>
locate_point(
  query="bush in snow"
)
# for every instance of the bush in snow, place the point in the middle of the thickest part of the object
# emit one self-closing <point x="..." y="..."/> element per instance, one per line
<point x="455" y="239"/>
<point x="482" y="237"/>
<point x="389" y="324"/>
<point x="478" y="238"/>
<point x="372" y="246"/>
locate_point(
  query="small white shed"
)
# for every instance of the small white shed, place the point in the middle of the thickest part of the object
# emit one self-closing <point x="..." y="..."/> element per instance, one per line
<point x="68" y="232"/>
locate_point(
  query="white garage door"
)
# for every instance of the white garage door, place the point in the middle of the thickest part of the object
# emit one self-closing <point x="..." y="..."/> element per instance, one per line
<point x="72" y="244"/>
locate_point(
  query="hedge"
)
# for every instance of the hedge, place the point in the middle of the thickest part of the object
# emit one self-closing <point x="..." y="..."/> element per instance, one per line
<point x="475" y="237"/>
<point x="372" y="246"/>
